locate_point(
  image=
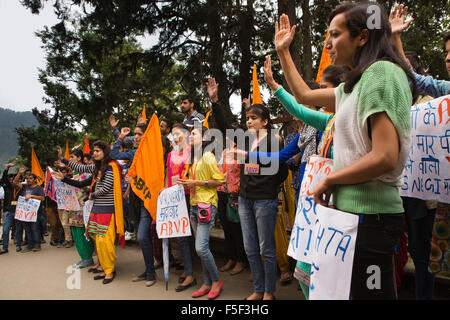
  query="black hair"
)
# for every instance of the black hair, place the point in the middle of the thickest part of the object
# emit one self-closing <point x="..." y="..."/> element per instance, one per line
<point x="204" y="131"/>
<point x="180" y="126"/>
<point x="102" y="165"/>
<point x="335" y="74"/>
<point x="188" y="97"/>
<point x="87" y="156"/>
<point x="77" y="153"/>
<point x="142" y="126"/>
<point x="261" y="111"/>
<point x="414" y="59"/>
<point x="169" y="123"/>
<point x="379" y="47"/>
<point x="446" y="38"/>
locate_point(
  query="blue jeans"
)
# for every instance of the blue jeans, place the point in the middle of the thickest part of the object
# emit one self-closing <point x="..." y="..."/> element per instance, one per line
<point x="187" y="247"/>
<point x="258" y="218"/>
<point x="8" y="220"/>
<point x="126" y="211"/>
<point x="145" y="242"/>
<point x="33" y="232"/>
<point x="202" y="232"/>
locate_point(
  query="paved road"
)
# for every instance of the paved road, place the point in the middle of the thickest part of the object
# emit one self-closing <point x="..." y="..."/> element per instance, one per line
<point x="42" y="275"/>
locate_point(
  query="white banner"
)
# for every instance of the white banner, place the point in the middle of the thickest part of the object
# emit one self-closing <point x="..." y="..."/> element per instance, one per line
<point x="27" y="210"/>
<point x="66" y="196"/>
<point x="427" y="175"/>
<point x="300" y="243"/>
<point x="333" y="248"/>
<point x="87" y="209"/>
<point x="172" y="218"/>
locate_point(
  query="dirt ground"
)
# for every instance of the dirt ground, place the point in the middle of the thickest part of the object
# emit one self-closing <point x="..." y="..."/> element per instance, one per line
<point x="42" y="275"/>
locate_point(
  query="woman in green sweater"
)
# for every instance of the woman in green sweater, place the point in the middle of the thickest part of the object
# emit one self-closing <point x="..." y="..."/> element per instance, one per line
<point x="371" y="136"/>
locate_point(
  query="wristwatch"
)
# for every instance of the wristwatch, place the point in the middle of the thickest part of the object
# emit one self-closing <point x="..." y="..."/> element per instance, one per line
<point x="207" y="183"/>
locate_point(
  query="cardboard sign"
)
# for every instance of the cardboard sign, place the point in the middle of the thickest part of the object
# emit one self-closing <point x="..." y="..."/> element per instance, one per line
<point x="427" y="170"/>
<point x="302" y="231"/>
<point x="27" y="210"/>
<point x="66" y="196"/>
<point x="333" y="248"/>
<point x="172" y="218"/>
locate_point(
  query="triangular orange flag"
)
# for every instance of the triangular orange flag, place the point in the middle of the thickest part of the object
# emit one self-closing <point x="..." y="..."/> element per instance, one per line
<point x="256" y="93"/>
<point x="205" y="123"/>
<point x="147" y="169"/>
<point x="86" y="148"/>
<point x="324" y="61"/>
<point x="144" y="116"/>
<point x="36" y="168"/>
<point x="67" y="154"/>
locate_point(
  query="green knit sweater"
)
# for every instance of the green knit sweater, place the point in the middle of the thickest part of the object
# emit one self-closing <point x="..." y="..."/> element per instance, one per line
<point x="383" y="87"/>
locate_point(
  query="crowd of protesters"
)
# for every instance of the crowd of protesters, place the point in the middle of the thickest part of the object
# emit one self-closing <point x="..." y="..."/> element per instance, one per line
<point x="358" y="115"/>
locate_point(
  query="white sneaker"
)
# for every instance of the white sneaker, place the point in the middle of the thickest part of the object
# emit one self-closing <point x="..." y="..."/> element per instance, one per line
<point x="127" y="236"/>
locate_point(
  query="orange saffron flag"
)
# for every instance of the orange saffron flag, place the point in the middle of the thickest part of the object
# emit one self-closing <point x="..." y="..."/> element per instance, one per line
<point x="67" y="154"/>
<point x="144" y="116"/>
<point x="147" y="169"/>
<point x="205" y="123"/>
<point x="324" y="60"/>
<point x="86" y="148"/>
<point x="36" y="168"/>
<point x="256" y="92"/>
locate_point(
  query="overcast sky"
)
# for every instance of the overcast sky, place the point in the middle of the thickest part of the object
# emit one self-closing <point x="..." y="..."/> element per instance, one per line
<point x="21" y="55"/>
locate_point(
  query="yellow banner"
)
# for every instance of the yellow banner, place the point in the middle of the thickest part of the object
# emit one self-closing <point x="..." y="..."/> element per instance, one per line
<point x="36" y="168"/>
<point x="147" y="169"/>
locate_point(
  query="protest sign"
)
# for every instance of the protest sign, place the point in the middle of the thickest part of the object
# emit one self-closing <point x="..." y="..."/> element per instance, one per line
<point x="66" y="196"/>
<point x="172" y="219"/>
<point x="426" y="175"/>
<point x="27" y="210"/>
<point x="302" y="231"/>
<point x="333" y="247"/>
<point x="87" y="209"/>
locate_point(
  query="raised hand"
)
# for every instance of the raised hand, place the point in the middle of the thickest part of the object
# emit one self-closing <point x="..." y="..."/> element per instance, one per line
<point x="284" y="34"/>
<point x="140" y="118"/>
<point x="112" y="121"/>
<point x="124" y="131"/>
<point x="397" y="19"/>
<point x="213" y="90"/>
<point x="268" y="75"/>
<point x="60" y="154"/>
<point x="10" y="165"/>
<point x="22" y="170"/>
<point x="58" y="164"/>
<point x="57" y="175"/>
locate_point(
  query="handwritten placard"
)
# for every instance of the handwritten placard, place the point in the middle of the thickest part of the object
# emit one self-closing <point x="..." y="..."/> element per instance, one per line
<point x="427" y="175"/>
<point x="333" y="248"/>
<point x="27" y="210"/>
<point x="302" y="231"/>
<point x="172" y="219"/>
<point x="66" y="196"/>
<point x="87" y="209"/>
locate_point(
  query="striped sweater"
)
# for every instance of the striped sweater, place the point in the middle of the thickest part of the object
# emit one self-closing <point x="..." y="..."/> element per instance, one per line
<point x="104" y="189"/>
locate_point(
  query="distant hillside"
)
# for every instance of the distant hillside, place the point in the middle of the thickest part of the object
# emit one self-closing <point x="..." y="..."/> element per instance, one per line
<point x="9" y="120"/>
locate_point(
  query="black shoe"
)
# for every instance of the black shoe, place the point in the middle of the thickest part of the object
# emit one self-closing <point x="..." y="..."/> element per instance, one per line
<point x="106" y="281"/>
<point x="18" y="249"/>
<point x="4" y="251"/>
<point x="54" y="243"/>
<point x="99" y="277"/>
<point x="181" y="279"/>
<point x="182" y="288"/>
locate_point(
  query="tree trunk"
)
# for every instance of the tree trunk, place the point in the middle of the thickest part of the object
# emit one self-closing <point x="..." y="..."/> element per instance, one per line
<point x="306" y="41"/>
<point x="246" y="31"/>
<point x="215" y="55"/>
